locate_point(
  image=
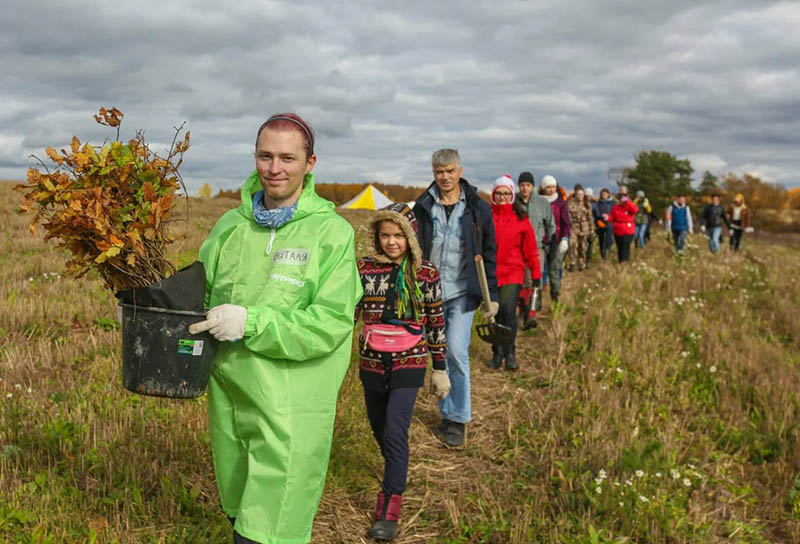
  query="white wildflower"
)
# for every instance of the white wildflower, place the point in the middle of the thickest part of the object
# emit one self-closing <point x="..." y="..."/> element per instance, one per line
<point x="619" y="370"/>
<point x="599" y="489"/>
<point x="30" y="390"/>
<point x="712" y="369"/>
<point x="602" y="474"/>
<point x="687" y="482"/>
<point x="9" y="395"/>
<point x="629" y="483"/>
<point x="17" y="386"/>
<point x="674" y="473"/>
<point x="684" y="354"/>
<point x="658" y="475"/>
<point x="643" y="498"/>
<point x="640" y="474"/>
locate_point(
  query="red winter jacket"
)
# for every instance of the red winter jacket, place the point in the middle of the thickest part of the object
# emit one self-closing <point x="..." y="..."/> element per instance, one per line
<point x="516" y="246"/>
<point x="622" y="216"/>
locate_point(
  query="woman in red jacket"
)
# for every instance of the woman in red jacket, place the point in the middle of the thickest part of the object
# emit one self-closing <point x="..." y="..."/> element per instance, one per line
<point x="622" y="217"/>
<point x="516" y="247"/>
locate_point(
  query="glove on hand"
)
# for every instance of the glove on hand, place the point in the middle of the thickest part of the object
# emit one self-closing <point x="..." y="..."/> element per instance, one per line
<point x="225" y="322"/>
<point x="536" y="283"/>
<point x="440" y="384"/>
<point x="563" y="246"/>
<point x="494" y="307"/>
<point x="702" y="228"/>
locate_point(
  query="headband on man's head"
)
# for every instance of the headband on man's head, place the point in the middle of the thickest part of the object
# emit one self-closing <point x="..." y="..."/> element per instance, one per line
<point x="299" y="124"/>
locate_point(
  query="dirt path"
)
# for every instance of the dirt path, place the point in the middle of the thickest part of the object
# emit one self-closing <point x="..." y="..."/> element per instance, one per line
<point x="440" y="480"/>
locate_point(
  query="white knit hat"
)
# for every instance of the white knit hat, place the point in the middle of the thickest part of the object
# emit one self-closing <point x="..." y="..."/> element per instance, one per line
<point x="589" y="192"/>
<point x="504" y="181"/>
<point x="549" y="181"/>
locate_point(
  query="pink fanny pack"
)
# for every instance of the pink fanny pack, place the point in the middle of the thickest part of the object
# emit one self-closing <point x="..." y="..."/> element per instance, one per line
<point x="390" y="338"/>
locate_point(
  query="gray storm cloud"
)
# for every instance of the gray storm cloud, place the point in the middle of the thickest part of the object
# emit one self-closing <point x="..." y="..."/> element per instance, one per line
<point x="567" y="90"/>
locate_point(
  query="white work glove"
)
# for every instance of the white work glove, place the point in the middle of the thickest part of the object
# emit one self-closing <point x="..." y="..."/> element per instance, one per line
<point x="440" y="384"/>
<point x="494" y="307"/>
<point x="225" y="322"/>
<point x="563" y="246"/>
<point x="748" y="230"/>
<point x="702" y="228"/>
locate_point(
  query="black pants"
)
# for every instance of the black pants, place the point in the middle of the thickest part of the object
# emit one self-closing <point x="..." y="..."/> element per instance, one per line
<point x="604" y="239"/>
<point x="389" y="416"/>
<point x="736" y="234"/>
<point x="507" y="315"/>
<point x="237" y="538"/>
<point x="624" y="247"/>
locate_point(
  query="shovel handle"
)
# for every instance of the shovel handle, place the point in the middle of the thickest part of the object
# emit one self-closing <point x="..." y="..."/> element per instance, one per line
<point x="483" y="281"/>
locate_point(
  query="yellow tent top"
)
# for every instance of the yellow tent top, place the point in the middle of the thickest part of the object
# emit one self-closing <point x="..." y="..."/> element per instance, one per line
<point x="368" y="199"/>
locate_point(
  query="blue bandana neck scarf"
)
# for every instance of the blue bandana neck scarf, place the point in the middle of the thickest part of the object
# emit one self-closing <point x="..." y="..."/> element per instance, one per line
<point x="271" y="218"/>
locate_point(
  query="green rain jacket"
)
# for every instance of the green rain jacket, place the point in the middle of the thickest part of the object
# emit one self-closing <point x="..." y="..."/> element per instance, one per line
<point x="272" y="395"/>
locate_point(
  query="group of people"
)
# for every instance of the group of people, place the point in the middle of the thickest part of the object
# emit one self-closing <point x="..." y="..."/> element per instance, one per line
<point x="736" y="217"/>
<point x="285" y="290"/>
<point x="625" y="222"/>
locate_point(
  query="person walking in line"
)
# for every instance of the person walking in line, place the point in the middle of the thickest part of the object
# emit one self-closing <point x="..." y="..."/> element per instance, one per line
<point x="403" y="325"/>
<point x="590" y="244"/>
<point x="282" y="285"/>
<point x="605" y="231"/>
<point x="455" y="225"/>
<point x="558" y="244"/>
<point x="739" y="217"/>
<point x="541" y="217"/>
<point x="580" y="213"/>
<point x="679" y="222"/>
<point x="516" y="248"/>
<point x="713" y="217"/>
<point x="642" y="219"/>
<point x="623" y="217"/>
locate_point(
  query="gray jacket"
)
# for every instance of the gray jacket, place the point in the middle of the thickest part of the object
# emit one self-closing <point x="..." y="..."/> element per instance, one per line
<point x="541" y="217"/>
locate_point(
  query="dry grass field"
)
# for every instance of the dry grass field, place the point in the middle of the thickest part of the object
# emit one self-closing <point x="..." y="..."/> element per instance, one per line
<point x="657" y="404"/>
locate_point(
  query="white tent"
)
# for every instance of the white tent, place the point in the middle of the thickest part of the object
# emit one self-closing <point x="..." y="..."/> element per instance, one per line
<point x="368" y="199"/>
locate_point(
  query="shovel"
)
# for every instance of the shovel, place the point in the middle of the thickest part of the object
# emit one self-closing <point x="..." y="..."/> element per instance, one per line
<point x="491" y="332"/>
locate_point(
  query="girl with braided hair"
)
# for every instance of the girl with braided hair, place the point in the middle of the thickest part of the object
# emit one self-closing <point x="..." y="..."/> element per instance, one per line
<point x="403" y="325"/>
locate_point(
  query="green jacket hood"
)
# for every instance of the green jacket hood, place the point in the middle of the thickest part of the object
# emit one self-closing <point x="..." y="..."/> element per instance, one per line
<point x="309" y="202"/>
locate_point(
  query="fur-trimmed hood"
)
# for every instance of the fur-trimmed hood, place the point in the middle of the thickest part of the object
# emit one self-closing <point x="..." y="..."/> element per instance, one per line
<point x="401" y="215"/>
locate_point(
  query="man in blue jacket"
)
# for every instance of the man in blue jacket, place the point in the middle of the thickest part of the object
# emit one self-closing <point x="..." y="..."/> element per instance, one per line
<point x="455" y="225"/>
<point x="679" y="221"/>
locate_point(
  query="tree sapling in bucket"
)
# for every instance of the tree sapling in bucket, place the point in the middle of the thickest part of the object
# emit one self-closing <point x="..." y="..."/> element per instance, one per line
<point x="110" y="207"/>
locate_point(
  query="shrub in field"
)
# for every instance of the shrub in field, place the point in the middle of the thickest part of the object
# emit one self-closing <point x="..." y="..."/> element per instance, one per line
<point x="110" y="205"/>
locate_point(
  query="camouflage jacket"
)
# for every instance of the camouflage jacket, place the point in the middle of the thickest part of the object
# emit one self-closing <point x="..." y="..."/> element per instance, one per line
<point x="581" y="215"/>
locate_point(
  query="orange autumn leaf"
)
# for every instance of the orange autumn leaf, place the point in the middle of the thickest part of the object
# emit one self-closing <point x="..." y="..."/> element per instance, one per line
<point x="53" y="154"/>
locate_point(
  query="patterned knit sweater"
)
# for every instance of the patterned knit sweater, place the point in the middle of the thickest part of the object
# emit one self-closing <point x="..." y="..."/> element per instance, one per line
<point x="385" y="371"/>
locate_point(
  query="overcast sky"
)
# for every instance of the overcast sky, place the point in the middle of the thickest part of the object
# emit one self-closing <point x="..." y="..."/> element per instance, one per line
<point x="565" y="88"/>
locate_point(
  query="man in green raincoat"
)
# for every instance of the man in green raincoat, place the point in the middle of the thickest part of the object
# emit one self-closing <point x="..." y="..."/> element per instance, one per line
<point x="282" y="285"/>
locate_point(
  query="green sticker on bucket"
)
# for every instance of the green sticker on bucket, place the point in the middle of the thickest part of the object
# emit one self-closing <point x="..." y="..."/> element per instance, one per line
<point x="190" y="347"/>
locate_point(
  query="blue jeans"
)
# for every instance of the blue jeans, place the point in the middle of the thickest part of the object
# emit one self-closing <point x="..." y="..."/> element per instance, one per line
<point x="641" y="230"/>
<point x="713" y="238"/>
<point x="458" y="331"/>
<point x="679" y="237"/>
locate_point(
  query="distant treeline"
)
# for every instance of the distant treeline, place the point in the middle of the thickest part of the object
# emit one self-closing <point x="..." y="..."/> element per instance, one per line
<point x="339" y="193"/>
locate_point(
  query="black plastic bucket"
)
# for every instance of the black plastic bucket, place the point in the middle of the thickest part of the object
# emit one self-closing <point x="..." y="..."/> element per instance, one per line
<point x="159" y="356"/>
